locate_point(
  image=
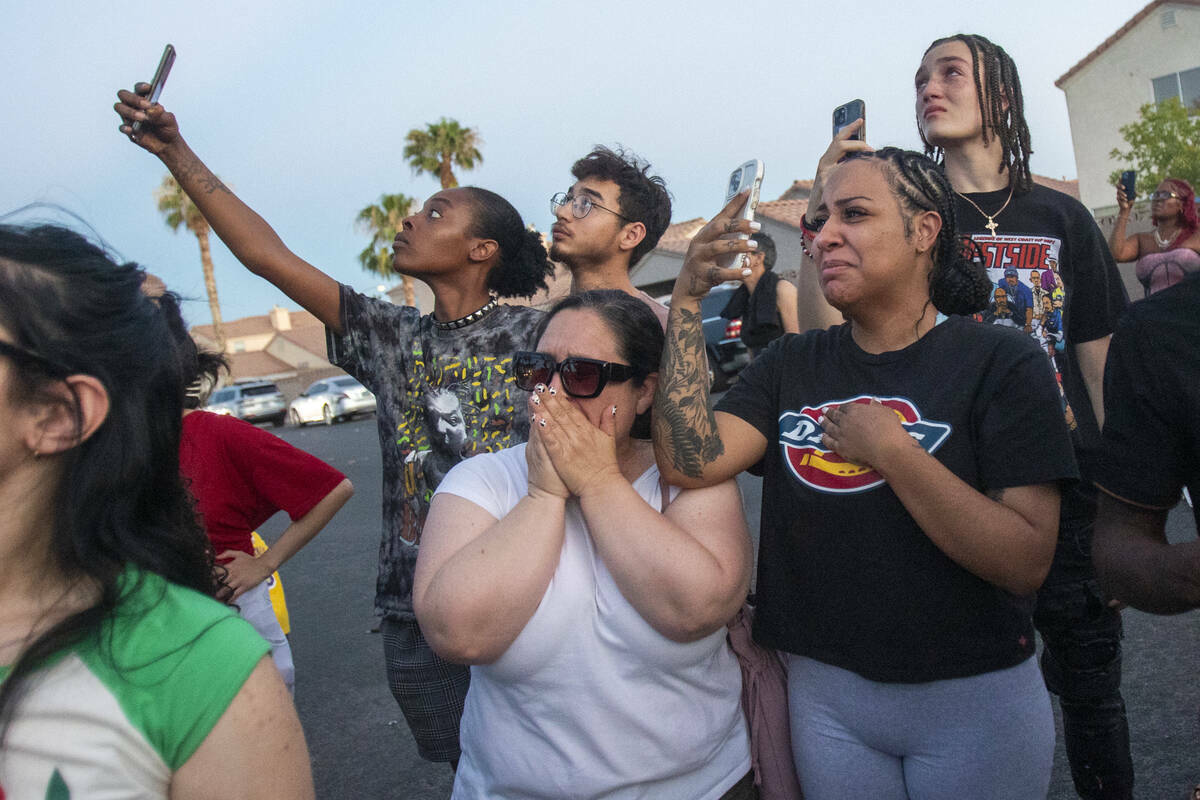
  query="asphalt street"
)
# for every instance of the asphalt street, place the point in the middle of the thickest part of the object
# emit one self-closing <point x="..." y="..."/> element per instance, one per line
<point x="360" y="744"/>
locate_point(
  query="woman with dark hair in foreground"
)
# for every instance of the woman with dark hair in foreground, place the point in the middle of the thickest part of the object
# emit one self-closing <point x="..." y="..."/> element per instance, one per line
<point x="118" y="671"/>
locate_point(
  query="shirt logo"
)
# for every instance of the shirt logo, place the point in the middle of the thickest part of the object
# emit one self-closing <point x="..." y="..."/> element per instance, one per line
<point x="820" y="468"/>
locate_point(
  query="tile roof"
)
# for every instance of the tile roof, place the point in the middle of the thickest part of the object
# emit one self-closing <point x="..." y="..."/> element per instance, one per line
<point x="789" y="212"/>
<point x="243" y="366"/>
<point x="1063" y="185"/>
<point x="675" y="239"/>
<point x="310" y="337"/>
<point x="256" y="325"/>
<point x="799" y="190"/>
<point x="1124" y="29"/>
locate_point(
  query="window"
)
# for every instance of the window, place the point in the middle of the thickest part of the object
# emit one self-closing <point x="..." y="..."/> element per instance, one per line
<point x="1182" y="85"/>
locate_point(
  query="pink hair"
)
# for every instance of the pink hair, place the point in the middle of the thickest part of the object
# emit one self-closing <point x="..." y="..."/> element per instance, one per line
<point x="1188" y="224"/>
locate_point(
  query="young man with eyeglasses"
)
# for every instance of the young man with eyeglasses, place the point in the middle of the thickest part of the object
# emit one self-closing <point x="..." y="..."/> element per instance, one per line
<point x="612" y="215"/>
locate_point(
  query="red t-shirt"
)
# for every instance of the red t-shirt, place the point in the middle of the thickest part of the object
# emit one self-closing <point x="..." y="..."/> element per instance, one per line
<point x="241" y="475"/>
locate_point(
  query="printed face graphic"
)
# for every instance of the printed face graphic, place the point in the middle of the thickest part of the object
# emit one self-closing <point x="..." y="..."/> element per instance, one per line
<point x="448" y="428"/>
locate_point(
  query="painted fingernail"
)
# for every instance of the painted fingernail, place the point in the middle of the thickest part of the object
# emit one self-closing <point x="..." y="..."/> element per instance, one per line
<point x="614" y="411"/>
<point x="745" y="272"/>
<point x="755" y="225"/>
<point x="553" y="390"/>
<point x="541" y="387"/>
<point x="537" y="401"/>
<point x="753" y="245"/>
<point x="542" y="422"/>
<point x="821" y="420"/>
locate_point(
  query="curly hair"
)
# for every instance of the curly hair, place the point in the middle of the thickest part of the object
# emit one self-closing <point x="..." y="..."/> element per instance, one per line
<point x="958" y="282"/>
<point x="1001" y="106"/>
<point x="643" y="197"/>
<point x="523" y="266"/>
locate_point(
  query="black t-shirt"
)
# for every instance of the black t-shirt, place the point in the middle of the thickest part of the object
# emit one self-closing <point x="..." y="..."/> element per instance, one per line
<point x="1044" y="230"/>
<point x="1152" y="400"/>
<point x="845" y="575"/>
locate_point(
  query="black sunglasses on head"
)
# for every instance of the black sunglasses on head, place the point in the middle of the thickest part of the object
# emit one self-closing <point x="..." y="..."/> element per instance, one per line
<point x="28" y="358"/>
<point x="581" y="377"/>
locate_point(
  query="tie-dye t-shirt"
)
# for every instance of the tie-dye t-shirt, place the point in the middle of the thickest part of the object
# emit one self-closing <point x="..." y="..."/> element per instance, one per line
<point x="441" y="396"/>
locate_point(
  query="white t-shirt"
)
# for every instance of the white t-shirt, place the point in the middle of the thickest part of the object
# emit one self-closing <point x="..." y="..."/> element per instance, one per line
<point x="590" y="701"/>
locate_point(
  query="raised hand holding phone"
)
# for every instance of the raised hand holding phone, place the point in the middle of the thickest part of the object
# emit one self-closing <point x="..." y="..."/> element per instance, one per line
<point x="160" y="78"/>
<point x="746" y="178"/>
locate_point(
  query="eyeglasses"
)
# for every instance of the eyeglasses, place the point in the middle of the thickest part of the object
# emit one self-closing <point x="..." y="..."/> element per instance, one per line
<point x="581" y="205"/>
<point x="581" y="377"/>
<point x="28" y="358"/>
<point x="1160" y="195"/>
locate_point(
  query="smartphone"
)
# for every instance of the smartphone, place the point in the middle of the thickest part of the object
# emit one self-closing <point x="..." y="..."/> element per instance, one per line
<point x="1128" y="182"/>
<point x="747" y="176"/>
<point x="160" y="78"/>
<point x="845" y="114"/>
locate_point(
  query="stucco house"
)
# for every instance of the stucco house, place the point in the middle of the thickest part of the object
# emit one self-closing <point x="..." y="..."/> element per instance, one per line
<point x="1153" y="56"/>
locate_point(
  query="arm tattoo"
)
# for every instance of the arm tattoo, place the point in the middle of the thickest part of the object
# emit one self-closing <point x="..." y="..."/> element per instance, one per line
<point x="193" y="170"/>
<point x="685" y="425"/>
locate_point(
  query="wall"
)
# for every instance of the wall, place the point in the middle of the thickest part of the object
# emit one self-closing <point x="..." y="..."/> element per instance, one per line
<point x="1108" y="92"/>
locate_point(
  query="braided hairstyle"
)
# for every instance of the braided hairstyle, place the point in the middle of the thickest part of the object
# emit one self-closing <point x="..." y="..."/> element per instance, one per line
<point x="1006" y="124"/>
<point x="958" y="282"/>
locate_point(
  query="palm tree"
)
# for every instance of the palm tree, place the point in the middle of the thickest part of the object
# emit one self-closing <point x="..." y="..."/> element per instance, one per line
<point x="440" y="146"/>
<point x="383" y="222"/>
<point x="178" y="209"/>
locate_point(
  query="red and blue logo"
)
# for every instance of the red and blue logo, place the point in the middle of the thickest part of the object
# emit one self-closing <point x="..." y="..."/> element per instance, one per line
<point x="818" y="467"/>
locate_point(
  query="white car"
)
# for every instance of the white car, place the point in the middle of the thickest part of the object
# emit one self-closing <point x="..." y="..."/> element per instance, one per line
<point x="331" y="399"/>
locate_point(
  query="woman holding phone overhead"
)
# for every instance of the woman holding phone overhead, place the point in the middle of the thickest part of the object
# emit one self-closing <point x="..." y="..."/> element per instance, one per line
<point x="470" y="247"/>
<point x="1172" y="250"/>
<point x="901" y="544"/>
<point x="589" y="596"/>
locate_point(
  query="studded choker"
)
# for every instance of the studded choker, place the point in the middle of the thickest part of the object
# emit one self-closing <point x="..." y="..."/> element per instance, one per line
<point x="463" y="322"/>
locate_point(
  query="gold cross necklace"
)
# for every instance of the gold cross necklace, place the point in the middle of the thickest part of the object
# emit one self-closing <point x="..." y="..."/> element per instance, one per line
<point x="991" y="218"/>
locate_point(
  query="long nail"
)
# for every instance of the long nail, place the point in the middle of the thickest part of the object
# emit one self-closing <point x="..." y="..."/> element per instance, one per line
<point x="537" y="401"/>
<point x="542" y="422"/>
<point x="755" y="225"/>
<point x="553" y="390"/>
<point x="541" y="387"/>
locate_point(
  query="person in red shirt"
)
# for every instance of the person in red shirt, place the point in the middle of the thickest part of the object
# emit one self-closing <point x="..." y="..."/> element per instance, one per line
<point x="240" y="476"/>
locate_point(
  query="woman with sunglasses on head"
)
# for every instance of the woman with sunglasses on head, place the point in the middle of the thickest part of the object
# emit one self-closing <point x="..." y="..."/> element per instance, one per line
<point x="901" y="543"/>
<point x="589" y="596"/>
<point x="1172" y="250"/>
<point x="470" y="247"/>
<point x="120" y="676"/>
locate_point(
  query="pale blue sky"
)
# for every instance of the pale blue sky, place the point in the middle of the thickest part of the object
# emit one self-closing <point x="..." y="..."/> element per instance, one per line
<point x="302" y="107"/>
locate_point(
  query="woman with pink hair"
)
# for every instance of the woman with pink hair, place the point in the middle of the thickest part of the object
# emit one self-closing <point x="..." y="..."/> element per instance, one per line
<point x="1171" y="251"/>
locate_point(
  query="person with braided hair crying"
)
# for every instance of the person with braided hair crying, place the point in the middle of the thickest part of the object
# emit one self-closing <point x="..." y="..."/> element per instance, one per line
<point x="901" y="543"/>
<point x="971" y="118"/>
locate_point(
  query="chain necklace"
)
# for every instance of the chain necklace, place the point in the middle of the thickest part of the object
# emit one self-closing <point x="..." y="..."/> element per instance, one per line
<point x="463" y="322"/>
<point x="991" y="218"/>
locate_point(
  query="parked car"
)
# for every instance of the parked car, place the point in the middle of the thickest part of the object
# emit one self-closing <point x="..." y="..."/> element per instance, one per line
<point x="331" y="399"/>
<point x="726" y="353"/>
<point x="253" y="401"/>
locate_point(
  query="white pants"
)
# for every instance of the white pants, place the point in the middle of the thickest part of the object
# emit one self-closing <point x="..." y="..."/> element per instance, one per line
<point x="255" y="607"/>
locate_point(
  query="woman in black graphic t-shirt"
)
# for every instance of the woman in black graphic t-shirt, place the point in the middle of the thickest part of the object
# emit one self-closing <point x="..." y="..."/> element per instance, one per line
<point x="911" y="487"/>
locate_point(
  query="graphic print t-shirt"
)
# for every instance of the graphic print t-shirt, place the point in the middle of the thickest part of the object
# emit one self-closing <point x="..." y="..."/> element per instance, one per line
<point x="1043" y="231"/>
<point x="845" y="574"/>
<point x="442" y="396"/>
